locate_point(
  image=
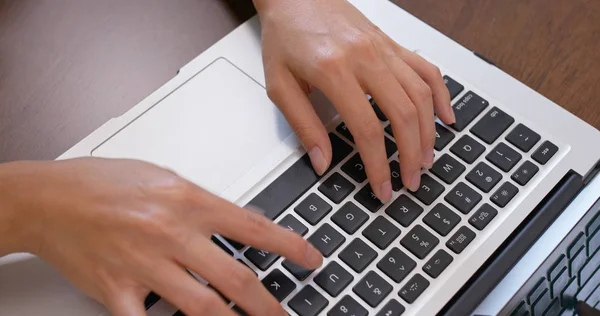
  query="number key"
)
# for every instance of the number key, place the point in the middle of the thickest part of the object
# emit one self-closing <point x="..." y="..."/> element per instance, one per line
<point x="503" y="157"/>
<point x="347" y="306"/>
<point x="484" y="177"/>
<point x="463" y="198"/>
<point x="441" y="219"/>
<point x="392" y="308"/>
<point x="413" y="288"/>
<point x="504" y="194"/>
<point x="396" y="265"/>
<point x="525" y="172"/>
<point x="483" y="216"/>
<point x="372" y="288"/>
<point x="419" y="241"/>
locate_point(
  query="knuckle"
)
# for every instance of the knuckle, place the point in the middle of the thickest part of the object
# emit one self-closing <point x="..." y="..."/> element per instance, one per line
<point x="256" y="222"/>
<point x="369" y="130"/>
<point x="408" y="115"/>
<point x="274" y="90"/>
<point x="203" y="303"/>
<point x="241" y="279"/>
<point x="332" y="63"/>
<point x="434" y="71"/>
<point x="423" y="94"/>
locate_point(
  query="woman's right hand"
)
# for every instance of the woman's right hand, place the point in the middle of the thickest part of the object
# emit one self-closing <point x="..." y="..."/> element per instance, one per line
<point x="119" y="229"/>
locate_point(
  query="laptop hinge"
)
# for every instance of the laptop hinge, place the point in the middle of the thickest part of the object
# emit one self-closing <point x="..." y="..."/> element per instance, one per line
<point x="514" y="247"/>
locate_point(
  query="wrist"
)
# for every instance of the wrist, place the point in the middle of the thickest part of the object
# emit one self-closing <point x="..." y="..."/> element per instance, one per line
<point x="19" y="224"/>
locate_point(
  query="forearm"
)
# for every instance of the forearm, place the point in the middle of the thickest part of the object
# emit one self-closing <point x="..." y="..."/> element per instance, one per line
<point x="17" y="228"/>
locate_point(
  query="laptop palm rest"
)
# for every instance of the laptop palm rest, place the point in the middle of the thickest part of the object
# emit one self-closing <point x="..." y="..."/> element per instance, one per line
<point x="210" y="130"/>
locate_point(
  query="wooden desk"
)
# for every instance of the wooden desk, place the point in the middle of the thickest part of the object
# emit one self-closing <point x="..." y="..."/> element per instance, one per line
<point x="67" y="66"/>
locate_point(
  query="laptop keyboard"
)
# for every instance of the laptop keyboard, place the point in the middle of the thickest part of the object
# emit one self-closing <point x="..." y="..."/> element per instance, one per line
<point x="381" y="258"/>
<point x="571" y="273"/>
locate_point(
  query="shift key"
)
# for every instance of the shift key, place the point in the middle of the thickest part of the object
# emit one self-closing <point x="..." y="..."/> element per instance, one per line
<point x="467" y="108"/>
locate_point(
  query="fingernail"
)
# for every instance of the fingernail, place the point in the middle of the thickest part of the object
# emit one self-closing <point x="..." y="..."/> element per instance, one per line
<point x="318" y="160"/>
<point x="428" y="159"/>
<point x="313" y="256"/>
<point x="386" y="191"/>
<point x="452" y="116"/>
<point x="415" y="181"/>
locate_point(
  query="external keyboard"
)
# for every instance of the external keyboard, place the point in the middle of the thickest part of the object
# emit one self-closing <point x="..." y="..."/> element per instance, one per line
<point x="381" y="258"/>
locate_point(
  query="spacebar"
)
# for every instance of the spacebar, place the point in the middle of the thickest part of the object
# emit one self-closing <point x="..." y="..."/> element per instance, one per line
<point x="295" y="181"/>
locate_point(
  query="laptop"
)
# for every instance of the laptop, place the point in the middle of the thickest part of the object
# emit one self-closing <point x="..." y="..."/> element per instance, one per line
<point x="501" y="177"/>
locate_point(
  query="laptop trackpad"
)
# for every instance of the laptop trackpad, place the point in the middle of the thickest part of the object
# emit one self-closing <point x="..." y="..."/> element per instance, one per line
<point x="211" y="130"/>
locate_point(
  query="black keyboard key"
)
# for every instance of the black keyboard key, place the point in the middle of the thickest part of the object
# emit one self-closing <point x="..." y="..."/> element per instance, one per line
<point x="392" y="308"/>
<point x="355" y="168"/>
<point x="447" y="168"/>
<point x="577" y="242"/>
<point x="540" y="305"/>
<point x="367" y="198"/>
<point x="594" y="242"/>
<point x="429" y="190"/>
<point x="484" y="177"/>
<point x="295" y="181"/>
<point x="592" y="282"/>
<point x="390" y="147"/>
<point x="492" y="125"/>
<point x="333" y="279"/>
<point x="537" y="290"/>
<point x="326" y="239"/>
<point x="520" y="310"/>
<point x="308" y="302"/>
<point x="523" y="137"/>
<point x="556" y="267"/>
<point x="357" y="255"/>
<point x="313" y="209"/>
<point x="454" y="87"/>
<point x="336" y="188"/>
<point x="505" y="193"/>
<point x="372" y="289"/>
<point x="297" y="271"/>
<point x="413" y="288"/>
<point x="419" y="241"/>
<point x="221" y="245"/>
<point x="150" y="300"/>
<point x="560" y="282"/>
<point x="592" y="225"/>
<point x="463" y="198"/>
<point x="381" y="232"/>
<point x="553" y="309"/>
<point x="503" y="157"/>
<point x="343" y="129"/>
<point x="443" y="137"/>
<point x="396" y="176"/>
<point x="437" y="264"/>
<point x="441" y="219"/>
<point x="467" y="108"/>
<point x="347" y="306"/>
<point x="483" y="216"/>
<point x="589" y="268"/>
<point x="178" y="313"/>
<point x="545" y="152"/>
<point x="460" y="240"/>
<point x="349" y="217"/>
<point x="278" y="284"/>
<point x="577" y="261"/>
<point x="525" y="172"/>
<point x="404" y="210"/>
<point x="467" y="149"/>
<point x="388" y="129"/>
<point x="235" y="244"/>
<point x="291" y="223"/>
<point x="261" y="258"/>
<point x="567" y="295"/>
<point x="396" y="265"/>
<point x="378" y="112"/>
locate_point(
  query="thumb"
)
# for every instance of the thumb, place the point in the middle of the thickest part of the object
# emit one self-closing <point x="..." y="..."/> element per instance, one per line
<point x="286" y="92"/>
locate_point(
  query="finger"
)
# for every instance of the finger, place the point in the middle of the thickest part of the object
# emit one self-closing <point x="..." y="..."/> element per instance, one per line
<point x="252" y="228"/>
<point x="285" y="91"/>
<point x="349" y="99"/>
<point x="403" y="116"/>
<point x="433" y="77"/>
<point x="231" y="278"/>
<point x="181" y="289"/>
<point x="125" y="303"/>
<point x="421" y="95"/>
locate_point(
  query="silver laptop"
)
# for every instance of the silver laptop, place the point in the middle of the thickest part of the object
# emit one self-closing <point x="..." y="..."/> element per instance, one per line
<point x="422" y="253"/>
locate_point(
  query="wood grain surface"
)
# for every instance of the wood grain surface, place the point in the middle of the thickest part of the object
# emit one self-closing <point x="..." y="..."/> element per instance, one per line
<point x="67" y="66"/>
